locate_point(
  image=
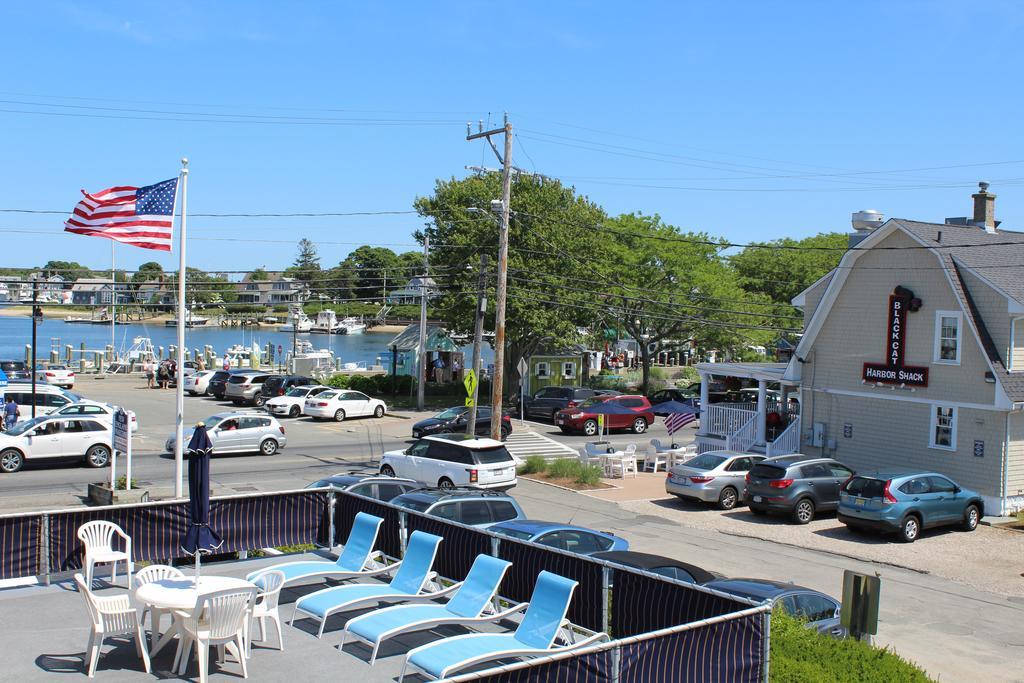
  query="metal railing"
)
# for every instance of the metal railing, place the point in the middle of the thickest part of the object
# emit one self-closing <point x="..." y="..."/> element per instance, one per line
<point x="787" y="442"/>
<point x="744" y="437"/>
<point x="725" y="420"/>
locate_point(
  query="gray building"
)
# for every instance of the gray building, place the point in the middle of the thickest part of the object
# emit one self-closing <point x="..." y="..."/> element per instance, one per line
<point x="276" y="289"/>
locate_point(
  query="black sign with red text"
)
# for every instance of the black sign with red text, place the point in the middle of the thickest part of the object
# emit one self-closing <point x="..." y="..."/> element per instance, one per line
<point x="894" y="370"/>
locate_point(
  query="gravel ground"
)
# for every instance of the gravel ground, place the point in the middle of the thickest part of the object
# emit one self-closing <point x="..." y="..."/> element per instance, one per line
<point x="988" y="559"/>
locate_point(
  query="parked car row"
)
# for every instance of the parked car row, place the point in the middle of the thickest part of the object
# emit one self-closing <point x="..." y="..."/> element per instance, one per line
<point x="800" y="487"/>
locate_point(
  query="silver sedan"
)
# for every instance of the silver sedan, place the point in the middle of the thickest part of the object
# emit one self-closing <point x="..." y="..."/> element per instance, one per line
<point x="240" y="433"/>
<point x="712" y="477"/>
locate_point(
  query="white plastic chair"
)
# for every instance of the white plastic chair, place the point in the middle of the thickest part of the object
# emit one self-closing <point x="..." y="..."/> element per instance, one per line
<point x="98" y="538"/>
<point x="155" y="572"/>
<point x="111" y="616"/>
<point x="658" y="448"/>
<point x="587" y="459"/>
<point x="628" y="461"/>
<point x="265" y="608"/>
<point x="220" y="618"/>
<point x="654" y="458"/>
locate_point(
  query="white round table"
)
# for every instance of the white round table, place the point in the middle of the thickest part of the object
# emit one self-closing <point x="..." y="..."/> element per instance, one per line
<point x="181" y="594"/>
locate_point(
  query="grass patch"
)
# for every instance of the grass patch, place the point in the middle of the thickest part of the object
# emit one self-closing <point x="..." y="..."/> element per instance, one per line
<point x="589" y="475"/>
<point x="535" y="464"/>
<point x="800" y="655"/>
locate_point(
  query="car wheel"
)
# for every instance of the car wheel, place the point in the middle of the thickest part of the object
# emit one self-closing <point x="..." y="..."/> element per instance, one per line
<point x="639" y="425"/>
<point x="910" y="529"/>
<point x="268" y="447"/>
<point x="294" y="411"/>
<point x="258" y="400"/>
<point x="971" y="518"/>
<point x="590" y="427"/>
<point x="803" y="513"/>
<point x="97" y="456"/>
<point x="192" y="393"/>
<point x="11" y="460"/>
<point x="728" y="498"/>
<point x="386" y="471"/>
<point x="207" y="392"/>
<point x="445" y="484"/>
<point x="378" y="411"/>
<point x="339" y="415"/>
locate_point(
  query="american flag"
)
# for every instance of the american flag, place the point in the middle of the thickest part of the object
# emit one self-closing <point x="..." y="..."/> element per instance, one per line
<point x="139" y="216"/>
<point x="676" y="421"/>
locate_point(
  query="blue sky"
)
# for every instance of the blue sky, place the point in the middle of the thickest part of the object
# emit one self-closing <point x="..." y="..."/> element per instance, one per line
<point x="747" y="120"/>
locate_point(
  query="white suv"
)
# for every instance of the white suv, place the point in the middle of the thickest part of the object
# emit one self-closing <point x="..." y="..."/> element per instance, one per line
<point x="55" y="437"/>
<point x="449" y="460"/>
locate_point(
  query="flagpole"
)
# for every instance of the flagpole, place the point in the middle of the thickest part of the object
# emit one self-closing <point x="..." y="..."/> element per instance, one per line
<point x="113" y="298"/>
<point x="179" y="427"/>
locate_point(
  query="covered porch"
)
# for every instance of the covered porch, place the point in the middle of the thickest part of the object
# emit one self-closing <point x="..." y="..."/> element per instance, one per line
<point x="748" y="408"/>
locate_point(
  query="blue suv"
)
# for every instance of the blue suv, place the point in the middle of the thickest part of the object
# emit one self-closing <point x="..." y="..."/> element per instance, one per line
<point x="905" y="503"/>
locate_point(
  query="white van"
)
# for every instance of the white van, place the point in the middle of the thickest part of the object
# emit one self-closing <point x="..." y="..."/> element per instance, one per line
<point x="49" y="398"/>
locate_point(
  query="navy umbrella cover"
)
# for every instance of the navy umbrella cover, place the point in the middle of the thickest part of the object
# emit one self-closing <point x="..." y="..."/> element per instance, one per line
<point x="670" y="407"/>
<point x="199" y="538"/>
<point x="606" y="408"/>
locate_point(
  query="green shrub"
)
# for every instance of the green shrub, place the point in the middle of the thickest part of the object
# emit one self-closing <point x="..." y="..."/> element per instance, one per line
<point x="589" y="475"/>
<point x="338" y="381"/>
<point x="800" y="655"/>
<point x="534" y="464"/>
<point x="122" y="483"/>
<point x="564" y="468"/>
<point x="244" y="308"/>
<point x="364" y="383"/>
<point x="687" y="375"/>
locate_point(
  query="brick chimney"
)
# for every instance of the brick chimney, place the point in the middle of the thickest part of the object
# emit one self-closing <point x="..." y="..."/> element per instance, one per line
<point x="984" y="208"/>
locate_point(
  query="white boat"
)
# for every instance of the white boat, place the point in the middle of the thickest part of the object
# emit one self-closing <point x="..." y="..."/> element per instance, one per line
<point x="239" y="356"/>
<point x="311" y="363"/>
<point x="352" y="325"/>
<point x="191" y="320"/>
<point x="327" y="323"/>
<point x="141" y="350"/>
<point x="298" y="322"/>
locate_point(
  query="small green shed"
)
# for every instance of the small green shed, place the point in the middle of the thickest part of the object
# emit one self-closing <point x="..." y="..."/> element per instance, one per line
<point x="438" y="345"/>
<point x="554" y="370"/>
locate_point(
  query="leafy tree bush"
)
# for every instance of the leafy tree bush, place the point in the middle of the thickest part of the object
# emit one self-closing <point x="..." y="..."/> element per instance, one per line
<point x="800" y="655"/>
<point x="338" y="381"/>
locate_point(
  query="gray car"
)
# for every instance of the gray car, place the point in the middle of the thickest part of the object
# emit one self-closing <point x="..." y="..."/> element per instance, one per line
<point x="819" y="610"/>
<point x="795" y="485"/>
<point x="245" y="387"/>
<point x="234" y="432"/>
<point x="712" y="477"/>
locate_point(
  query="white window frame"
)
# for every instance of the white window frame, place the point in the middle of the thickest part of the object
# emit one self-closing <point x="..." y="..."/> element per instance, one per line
<point x="933" y="424"/>
<point x="547" y="370"/>
<point x="1013" y="344"/>
<point x="937" y="346"/>
<point x="572" y="370"/>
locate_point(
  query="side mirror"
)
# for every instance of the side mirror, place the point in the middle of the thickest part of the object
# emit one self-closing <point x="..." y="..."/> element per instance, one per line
<point x="957" y="489"/>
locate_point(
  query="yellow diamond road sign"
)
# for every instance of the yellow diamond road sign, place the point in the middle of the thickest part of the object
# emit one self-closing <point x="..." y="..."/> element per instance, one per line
<point x="469" y="401"/>
<point x="470" y="382"/>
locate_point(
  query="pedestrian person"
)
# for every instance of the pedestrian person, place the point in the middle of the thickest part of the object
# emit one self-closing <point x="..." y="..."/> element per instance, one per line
<point x="200" y="363"/>
<point x="149" y="369"/>
<point x="438" y="370"/>
<point x="11" y="413"/>
<point x="456" y="366"/>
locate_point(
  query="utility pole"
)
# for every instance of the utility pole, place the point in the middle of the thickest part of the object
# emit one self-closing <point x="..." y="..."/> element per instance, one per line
<point x="478" y="333"/>
<point x="497" y="382"/>
<point x="422" y="345"/>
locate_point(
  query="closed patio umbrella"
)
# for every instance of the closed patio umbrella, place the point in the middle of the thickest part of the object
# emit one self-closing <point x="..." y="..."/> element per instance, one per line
<point x="199" y="538"/>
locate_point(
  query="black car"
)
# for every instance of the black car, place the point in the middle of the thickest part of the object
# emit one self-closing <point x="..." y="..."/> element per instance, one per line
<point x="681" y="395"/>
<point x="16" y="370"/>
<point x="819" y="610"/>
<point x="657" y="564"/>
<point x="549" y="400"/>
<point x="455" y="420"/>
<point x="278" y="385"/>
<point x="795" y="485"/>
<point x="218" y="383"/>
<point x="369" y="485"/>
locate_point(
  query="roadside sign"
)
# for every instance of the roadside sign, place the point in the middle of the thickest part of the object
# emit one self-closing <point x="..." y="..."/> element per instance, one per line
<point x="522" y="367"/>
<point x="469" y="401"/>
<point x="3" y="378"/>
<point x="859" y="613"/>
<point x="470" y="382"/>
<point x="122" y="430"/>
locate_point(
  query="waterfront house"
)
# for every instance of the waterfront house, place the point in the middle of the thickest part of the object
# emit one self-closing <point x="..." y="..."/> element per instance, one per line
<point x="275" y="290"/>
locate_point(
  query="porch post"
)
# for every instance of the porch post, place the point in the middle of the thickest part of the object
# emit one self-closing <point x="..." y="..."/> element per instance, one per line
<point x="762" y="392"/>
<point x="703" y="398"/>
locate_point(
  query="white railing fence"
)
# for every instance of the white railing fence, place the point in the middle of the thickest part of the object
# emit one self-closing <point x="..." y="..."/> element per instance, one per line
<point x="787" y="442"/>
<point x="724" y="420"/>
<point x="744" y="437"/>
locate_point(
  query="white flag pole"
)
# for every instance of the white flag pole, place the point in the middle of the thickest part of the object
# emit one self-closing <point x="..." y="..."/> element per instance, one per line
<point x="179" y="427"/>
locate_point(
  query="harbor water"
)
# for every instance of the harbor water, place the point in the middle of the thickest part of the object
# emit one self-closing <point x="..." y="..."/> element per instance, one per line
<point x="16" y="332"/>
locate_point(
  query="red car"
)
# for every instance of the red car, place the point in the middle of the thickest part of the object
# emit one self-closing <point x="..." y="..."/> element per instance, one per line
<point x="636" y="415"/>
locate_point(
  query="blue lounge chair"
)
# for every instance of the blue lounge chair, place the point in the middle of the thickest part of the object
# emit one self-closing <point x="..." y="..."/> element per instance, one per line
<point x="535" y="635"/>
<point x="412" y="577"/>
<point x="356" y="558"/>
<point x="465" y="607"/>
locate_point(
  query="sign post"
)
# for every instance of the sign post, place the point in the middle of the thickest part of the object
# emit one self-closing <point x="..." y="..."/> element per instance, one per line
<point x="522" y="367"/>
<point x="122" y="441"/>
<point x="859" y="613"/>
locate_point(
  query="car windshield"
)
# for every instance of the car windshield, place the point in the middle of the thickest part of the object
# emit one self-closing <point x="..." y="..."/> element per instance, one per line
<point x="415" y="504"/>
<point x="450" y="414"/>
<point x="514" y="533"/>
<point x="552" y="392"/>
<point x="707" y="461"/>
<point x="25" y="425"/>
<point x="492" y="456"/>
<point x="73" y="396"/>
<point x="12" y="365"/>
<point x="297" y="392"/>
<point x="593" y="401"/>
<point x="766" y="471"/>
<point x="238" y="379"/>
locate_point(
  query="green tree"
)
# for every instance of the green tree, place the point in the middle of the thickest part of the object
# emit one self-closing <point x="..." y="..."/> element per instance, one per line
<point x="306" y="267"/>
<point x="69" y="270"/>
<point x="258" y="275"/>
<point x="666" y="287"/>
<point x="785" y="267"/>
<point x="372" y="266"/>
<point x="202" y="288"/>
<point x="150" y="270"/>
<point x="550" y="241"/>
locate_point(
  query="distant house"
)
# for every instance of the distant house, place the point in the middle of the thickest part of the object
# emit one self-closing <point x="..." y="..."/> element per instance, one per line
<point x="276" y="289"/>
<point x="18" y="288"/>
<point x="410" y="294"/>
<point x="155" y="292"/>
<point x="88" y="291"/>
<point x="439" y="344"/>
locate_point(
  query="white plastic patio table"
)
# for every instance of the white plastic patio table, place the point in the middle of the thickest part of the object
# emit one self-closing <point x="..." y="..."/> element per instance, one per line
<point x="608" y="458"/>
<point x="181" y="594"/>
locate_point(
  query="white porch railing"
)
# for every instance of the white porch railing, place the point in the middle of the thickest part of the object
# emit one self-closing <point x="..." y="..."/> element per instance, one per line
<point x="744" y="437"/>
<point x="720" y="419"/>
<point x="787" y="442"/>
